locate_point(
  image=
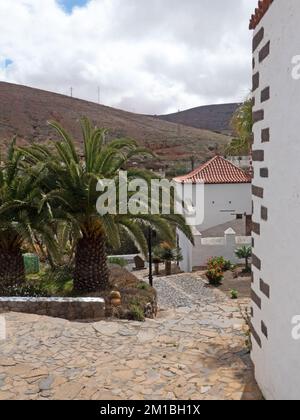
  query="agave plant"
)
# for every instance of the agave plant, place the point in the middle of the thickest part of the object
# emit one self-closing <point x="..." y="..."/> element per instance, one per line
<point x="74" y="197"/>
<point x="65" y="239"/>
<point x="20" y="215"/>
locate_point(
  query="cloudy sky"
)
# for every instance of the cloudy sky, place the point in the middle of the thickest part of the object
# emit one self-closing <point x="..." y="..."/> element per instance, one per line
<point x="149" y="56"/>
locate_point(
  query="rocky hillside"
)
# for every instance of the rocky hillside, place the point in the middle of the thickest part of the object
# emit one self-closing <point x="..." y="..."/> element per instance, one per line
<point x="25" y="111"/>
<point x="212" y="117"/>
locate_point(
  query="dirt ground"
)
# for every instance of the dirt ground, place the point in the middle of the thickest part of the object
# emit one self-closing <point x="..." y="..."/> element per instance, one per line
<point x="241" y="283"/>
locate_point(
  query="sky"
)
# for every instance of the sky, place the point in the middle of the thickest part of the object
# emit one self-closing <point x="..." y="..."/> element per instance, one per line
<point x="144" y="56"/>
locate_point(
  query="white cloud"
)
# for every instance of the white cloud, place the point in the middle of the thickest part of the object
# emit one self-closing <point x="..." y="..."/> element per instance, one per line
<point x="150" y="57"/>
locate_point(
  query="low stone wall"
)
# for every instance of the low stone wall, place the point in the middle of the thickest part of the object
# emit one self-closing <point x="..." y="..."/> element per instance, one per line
<point x="205" y="248"/>
<point x="80" y="309"/>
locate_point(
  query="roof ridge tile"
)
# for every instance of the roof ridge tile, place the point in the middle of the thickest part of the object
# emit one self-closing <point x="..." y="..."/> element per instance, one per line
<point x="218" y="170"/>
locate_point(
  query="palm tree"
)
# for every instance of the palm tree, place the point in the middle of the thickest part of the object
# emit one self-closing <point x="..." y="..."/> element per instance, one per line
<point x="20" y="217"/>
<point x="245" y="253"/>
<point x="75" y="195"/>
<point x="242" y="124"/>
<point x="237" y="147"/>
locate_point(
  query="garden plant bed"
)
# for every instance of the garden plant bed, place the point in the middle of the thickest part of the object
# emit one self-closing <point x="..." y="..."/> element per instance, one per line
<point x="138" y="299"/>
<point x="236" y="280"/>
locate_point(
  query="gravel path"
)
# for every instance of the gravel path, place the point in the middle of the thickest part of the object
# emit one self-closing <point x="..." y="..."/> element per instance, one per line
<point x="182" y="290"/>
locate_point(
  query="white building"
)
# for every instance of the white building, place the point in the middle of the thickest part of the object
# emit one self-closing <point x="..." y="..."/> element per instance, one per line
<point x="276" y="197"/>
<point x="243" y="162"/>
<point x="227" y="197"/>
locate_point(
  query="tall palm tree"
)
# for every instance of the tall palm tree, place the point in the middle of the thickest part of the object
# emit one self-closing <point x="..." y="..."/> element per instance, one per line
<point x="75" y="195"/>
<point x="20" y="217"/>
<point x="242" y="124"/>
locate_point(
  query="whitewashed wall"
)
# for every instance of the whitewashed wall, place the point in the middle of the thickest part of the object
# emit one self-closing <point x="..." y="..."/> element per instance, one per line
<point x="277" y="359"/>
<point x="242" y="162"/>
<point x="222" y="202"/>
<point x="206" y="248"/>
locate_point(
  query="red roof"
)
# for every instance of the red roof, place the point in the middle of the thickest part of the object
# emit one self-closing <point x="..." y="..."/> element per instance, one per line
<point x="263" y="7"/>
<point x="216" y="171"/>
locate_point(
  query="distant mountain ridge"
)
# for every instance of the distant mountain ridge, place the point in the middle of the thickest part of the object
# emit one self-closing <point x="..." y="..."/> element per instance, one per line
<point x="25" y="111"/>
<point x="211" y="117"/>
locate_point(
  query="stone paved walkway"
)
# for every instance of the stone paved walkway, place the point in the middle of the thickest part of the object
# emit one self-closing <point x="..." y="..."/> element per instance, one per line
<point x="191" y="352"/>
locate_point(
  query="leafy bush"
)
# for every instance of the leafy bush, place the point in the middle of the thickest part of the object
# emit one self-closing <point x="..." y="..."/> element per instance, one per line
<point x="220" y="262"/>
<point x="59" y="275"/>
<point x="234" y="294"/>
<point x="136" y="313"/>
<point x="23" y="290"/>
<point x="215" y="276"/>
<point x="117" y="261"/>
<point x="143" y="286"/>
<point x="54" y="282"/>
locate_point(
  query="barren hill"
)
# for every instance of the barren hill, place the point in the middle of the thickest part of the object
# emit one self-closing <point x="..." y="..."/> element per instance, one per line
<point x="212" y="117"/>
<point x="25" y="111"/>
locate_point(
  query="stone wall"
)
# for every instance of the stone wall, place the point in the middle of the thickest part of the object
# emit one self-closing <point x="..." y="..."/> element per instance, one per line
<point x="80" y="309"/>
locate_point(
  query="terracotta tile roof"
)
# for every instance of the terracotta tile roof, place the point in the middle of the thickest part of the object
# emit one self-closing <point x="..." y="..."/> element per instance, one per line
<point x="260" y="11"/>
<point x="216" y="171"/>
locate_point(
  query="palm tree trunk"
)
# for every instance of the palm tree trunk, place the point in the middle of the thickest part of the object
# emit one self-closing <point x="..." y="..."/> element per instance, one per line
<point x="168" y="268"/>
<point x="12" y="268"/>
<point x="91" y="269"/>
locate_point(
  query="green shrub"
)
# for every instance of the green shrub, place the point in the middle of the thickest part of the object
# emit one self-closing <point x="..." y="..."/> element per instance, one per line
<point x="227" y="265"/>
<point x="117" y="261"/>
<point x="215" y="276"/>
<point x="234" y="294"/>
<point x="143" y="286"/>
<point x="220" y="262"/>
<point x="136" y="313"/>
<point x="24" y="290"/>
<point x="54" y="282"/>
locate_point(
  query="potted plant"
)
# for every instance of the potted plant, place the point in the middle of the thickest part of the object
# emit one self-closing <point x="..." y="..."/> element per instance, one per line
<point x="156" y="259"/>
<point x="166" y="253"/>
